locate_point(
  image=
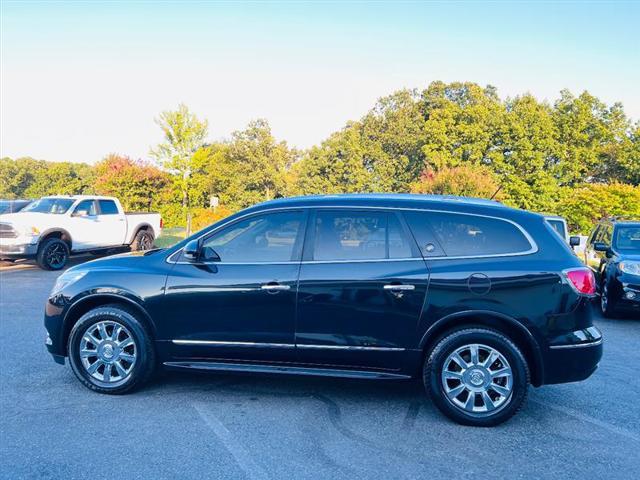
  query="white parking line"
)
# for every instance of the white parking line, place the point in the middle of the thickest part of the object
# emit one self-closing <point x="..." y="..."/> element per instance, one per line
<point x="243" y="457"/>
<point x="586" y="418"/>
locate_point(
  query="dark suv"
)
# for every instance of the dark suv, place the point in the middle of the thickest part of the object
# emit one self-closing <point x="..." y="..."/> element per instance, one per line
<point x="613" y="251"/>
<point x="476" y="299"/>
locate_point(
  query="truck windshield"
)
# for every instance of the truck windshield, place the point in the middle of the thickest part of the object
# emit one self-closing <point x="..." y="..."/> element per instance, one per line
<point x="49" y="205"/>
<point x="558" y="226"/>
<point x="628" y="239"/>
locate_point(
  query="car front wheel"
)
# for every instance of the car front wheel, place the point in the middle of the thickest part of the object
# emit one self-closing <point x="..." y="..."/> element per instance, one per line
<point x="110" y="350"/>
<point x="606" y="302"/>
<point x="476" y="377"/>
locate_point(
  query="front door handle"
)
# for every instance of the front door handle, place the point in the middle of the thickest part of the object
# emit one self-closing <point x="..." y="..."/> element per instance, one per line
<point x="399" y="287"/>
<point x="275" y="287"/>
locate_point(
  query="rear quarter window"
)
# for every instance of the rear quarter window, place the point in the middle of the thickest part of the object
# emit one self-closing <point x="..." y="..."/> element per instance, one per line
<point x="462" y="235"/>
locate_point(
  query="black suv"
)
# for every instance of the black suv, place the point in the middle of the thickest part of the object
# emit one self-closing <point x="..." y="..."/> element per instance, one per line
<point x="613" y="251"/>
<point x="476" y="299"/>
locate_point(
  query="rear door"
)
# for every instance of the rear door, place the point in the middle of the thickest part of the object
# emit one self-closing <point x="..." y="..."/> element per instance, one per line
<point x="361" y="289"/>
<point x="111" y="224"/>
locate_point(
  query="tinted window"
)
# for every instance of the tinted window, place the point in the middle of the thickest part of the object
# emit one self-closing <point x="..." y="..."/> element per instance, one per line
<point x="86" y="207"/>
<point x="49" y="205"/>
<point x="263" y="238"/>
<point x="628" y="239"/>
<point x="359" y="235"/>
<point x="468" y="235"/>
<point x="399" y="244"/>
<point x="108" y="207"/>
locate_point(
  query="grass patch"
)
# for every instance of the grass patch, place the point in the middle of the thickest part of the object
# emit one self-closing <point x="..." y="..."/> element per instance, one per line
<point x="169" y="237"/>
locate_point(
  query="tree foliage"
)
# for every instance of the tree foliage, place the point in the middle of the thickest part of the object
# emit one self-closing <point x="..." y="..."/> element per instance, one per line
<point x="183" y="134"/>
<point x="138" y="186"/>
<point x="576" y="156"/>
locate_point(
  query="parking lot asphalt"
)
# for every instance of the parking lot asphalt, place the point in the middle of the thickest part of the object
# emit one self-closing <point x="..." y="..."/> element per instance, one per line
<point x="270" y="427"/>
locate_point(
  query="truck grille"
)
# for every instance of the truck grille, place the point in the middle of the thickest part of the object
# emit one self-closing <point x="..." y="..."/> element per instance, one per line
<point x="7" y="231"/>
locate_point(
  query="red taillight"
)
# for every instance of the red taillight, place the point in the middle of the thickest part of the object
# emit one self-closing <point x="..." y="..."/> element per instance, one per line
<point x="582" y="280"/>
<point x="161" y="223"/>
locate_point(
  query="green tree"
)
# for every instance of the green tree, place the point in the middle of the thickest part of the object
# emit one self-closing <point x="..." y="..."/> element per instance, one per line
<point x="584" y="205"/>
<point x="252" y="167"/>
<point x="183" y="134"/>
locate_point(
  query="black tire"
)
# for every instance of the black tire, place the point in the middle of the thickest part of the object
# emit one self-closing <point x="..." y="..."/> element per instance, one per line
<point x="143" y="240"/>
<point x="434" y="365"/>
<point x="53" y="254"/>
<point x="140" y="370"/>
<point x="607" y="303"/>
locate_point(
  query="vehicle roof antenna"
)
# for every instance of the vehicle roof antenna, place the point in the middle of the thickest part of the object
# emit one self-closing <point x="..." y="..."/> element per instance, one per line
<point x="496" y="192"/>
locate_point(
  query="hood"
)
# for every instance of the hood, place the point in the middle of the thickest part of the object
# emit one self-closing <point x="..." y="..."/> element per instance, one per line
<point x="29" y="219"/>
<point x="124" y="261"/>
<point x="629" y="256"/>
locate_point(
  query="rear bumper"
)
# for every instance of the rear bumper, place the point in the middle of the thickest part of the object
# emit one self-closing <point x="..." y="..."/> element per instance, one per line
<point x="575" y="361"/>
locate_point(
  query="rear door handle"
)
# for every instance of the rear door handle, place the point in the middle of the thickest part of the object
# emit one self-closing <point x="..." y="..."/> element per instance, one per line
<point x="275" y="287"/>
<point x="402" y="287"/>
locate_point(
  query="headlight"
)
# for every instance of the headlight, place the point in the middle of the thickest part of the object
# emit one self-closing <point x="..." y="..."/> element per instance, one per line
<point x="30" y="231"/>
<point x="629" y="266"/>
<point x="67" y="278"/>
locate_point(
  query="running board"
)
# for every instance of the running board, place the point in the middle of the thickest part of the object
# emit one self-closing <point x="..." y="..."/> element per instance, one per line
<point x="287" y="370"/>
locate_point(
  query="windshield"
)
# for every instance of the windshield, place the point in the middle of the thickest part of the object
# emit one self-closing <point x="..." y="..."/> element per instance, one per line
<point x="558" y="226"/>
<point x="49" y="205"/>
<point x="628" y="238"/>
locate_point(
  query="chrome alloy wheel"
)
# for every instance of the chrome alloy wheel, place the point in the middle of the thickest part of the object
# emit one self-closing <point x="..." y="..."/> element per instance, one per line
<point x="108" y="352"/>
<point x="477" y="379"/>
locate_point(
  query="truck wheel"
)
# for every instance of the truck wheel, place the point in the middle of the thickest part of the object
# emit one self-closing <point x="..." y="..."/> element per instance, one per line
<point x="476" y="377"/>
<point x="53" y="254"/>
<point x="143" y="241"/>
<point x="110" y="350"/>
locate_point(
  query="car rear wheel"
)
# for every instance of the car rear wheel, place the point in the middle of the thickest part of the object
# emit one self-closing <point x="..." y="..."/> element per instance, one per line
<point x="110" y="350"/>
<point x="143" y="241"/>
<point x="476" y="377"/>
<point x="53" y="254"/>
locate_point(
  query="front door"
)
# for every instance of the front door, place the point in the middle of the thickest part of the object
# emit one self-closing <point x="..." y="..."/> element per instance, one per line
<point x="238" y="302"/>
<point x="361" y="290"/>
<point x="83" y="223"/>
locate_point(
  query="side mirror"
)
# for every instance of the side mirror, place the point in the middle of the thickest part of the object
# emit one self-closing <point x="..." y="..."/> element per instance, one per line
<point x="81" y="213"/>
<point x="574" y="241"/>
<point x="191" y="251"/>
<point x="600" y="247"/>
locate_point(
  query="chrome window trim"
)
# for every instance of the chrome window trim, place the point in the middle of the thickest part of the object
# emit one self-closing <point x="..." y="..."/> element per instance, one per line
<point x="534" y="246"/>
<point x="577" y="345"/>
<point x="219" y="343"/>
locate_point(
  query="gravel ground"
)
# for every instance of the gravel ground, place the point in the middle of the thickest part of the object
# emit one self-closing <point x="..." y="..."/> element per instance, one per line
<point x="260" y="427"/>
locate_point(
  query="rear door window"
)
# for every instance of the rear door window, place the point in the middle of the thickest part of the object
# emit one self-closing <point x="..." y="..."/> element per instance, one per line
<point x="108" y="207"/>
<point x="344" y="235"/>
<point x="461" y="235"/>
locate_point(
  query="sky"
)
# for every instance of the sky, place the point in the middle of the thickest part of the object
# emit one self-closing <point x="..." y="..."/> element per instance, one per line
<point x="80" y="80"/>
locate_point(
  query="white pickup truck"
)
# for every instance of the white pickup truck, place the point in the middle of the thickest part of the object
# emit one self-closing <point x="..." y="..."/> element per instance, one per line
<point x="53" y="228"/>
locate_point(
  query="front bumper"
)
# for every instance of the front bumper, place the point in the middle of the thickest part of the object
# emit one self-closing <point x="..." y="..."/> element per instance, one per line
<point x="576" y="358"/>
<point x="17" y="250"/>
